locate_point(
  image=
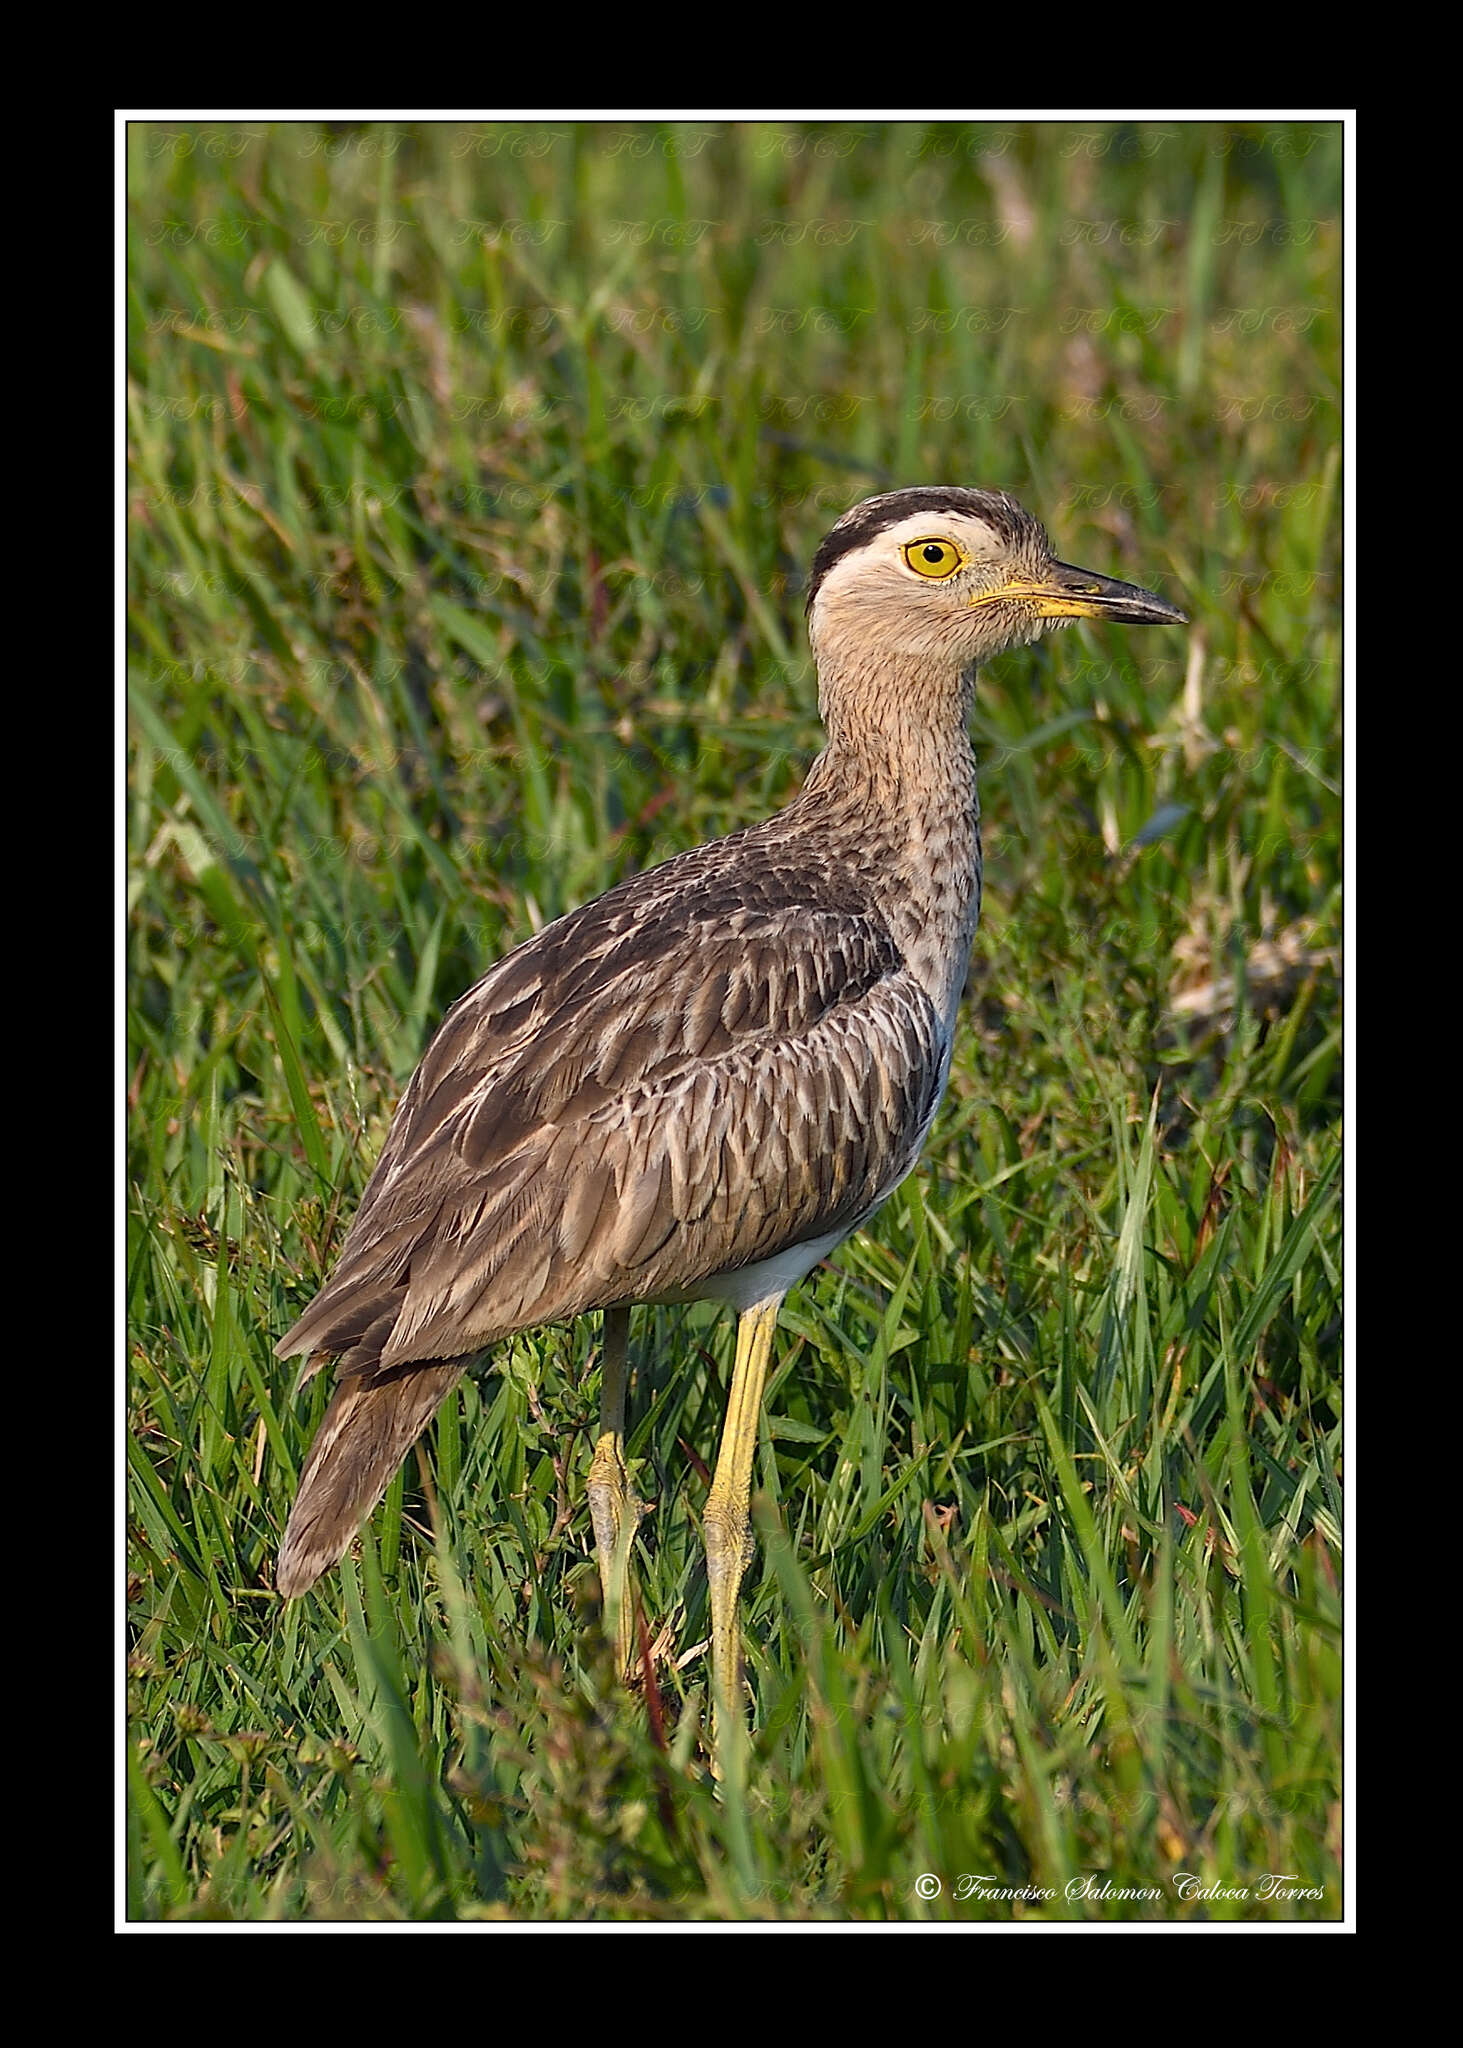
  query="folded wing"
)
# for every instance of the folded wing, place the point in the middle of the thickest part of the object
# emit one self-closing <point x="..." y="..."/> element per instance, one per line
<point x="626" y="1120"/>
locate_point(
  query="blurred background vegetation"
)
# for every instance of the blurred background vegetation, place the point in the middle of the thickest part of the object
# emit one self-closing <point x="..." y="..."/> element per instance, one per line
<point x="474" y="475"/>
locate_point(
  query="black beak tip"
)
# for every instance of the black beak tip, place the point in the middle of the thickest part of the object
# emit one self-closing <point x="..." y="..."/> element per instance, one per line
<point x="1143" y="609"/>
<point x="1124" y="603"/>
<point x="1136" y="607"/>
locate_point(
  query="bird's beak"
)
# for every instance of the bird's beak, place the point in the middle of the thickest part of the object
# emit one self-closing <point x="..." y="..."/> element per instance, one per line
<point x="1068" y="593"/>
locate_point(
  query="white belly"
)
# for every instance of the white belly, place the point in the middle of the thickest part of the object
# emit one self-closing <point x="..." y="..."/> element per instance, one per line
<point x="770" y="1278"/>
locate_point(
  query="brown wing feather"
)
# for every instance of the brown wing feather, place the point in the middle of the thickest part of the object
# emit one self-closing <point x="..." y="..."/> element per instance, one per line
<point x="372" y="1422"/>
<point x="723" y="1058"/>
<point x="669" y="1083"/>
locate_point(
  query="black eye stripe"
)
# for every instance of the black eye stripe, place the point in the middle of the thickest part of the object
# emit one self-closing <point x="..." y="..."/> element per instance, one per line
<point x="1011" y="522"/>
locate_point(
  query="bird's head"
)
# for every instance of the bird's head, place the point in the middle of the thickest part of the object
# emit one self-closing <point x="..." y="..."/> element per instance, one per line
<point x="943" y="578"/>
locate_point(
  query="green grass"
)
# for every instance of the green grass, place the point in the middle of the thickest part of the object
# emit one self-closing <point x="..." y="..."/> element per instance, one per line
<point x="473" y="477"/>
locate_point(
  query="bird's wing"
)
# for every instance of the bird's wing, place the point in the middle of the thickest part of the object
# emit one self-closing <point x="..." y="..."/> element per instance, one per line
<point x="687" y="1076"/>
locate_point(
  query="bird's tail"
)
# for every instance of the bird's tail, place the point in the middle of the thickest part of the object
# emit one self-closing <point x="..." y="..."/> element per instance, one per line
<point x="372" y="1422"/>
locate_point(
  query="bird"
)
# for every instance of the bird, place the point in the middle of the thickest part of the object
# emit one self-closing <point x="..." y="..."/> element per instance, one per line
<point x="696" y="1085"/>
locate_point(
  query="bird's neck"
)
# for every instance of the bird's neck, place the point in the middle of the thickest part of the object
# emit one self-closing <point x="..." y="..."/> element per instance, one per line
<point x="899" y="771"/>
<point x="898" y="738"/>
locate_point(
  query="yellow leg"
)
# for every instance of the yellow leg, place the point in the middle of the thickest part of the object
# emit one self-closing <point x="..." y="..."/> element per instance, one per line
<point x="613" y="1508"/>
<point x="728" y="1526"/>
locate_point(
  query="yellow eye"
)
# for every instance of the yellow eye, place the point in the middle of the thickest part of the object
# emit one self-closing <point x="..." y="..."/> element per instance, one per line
<point x="933" y="557"/>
